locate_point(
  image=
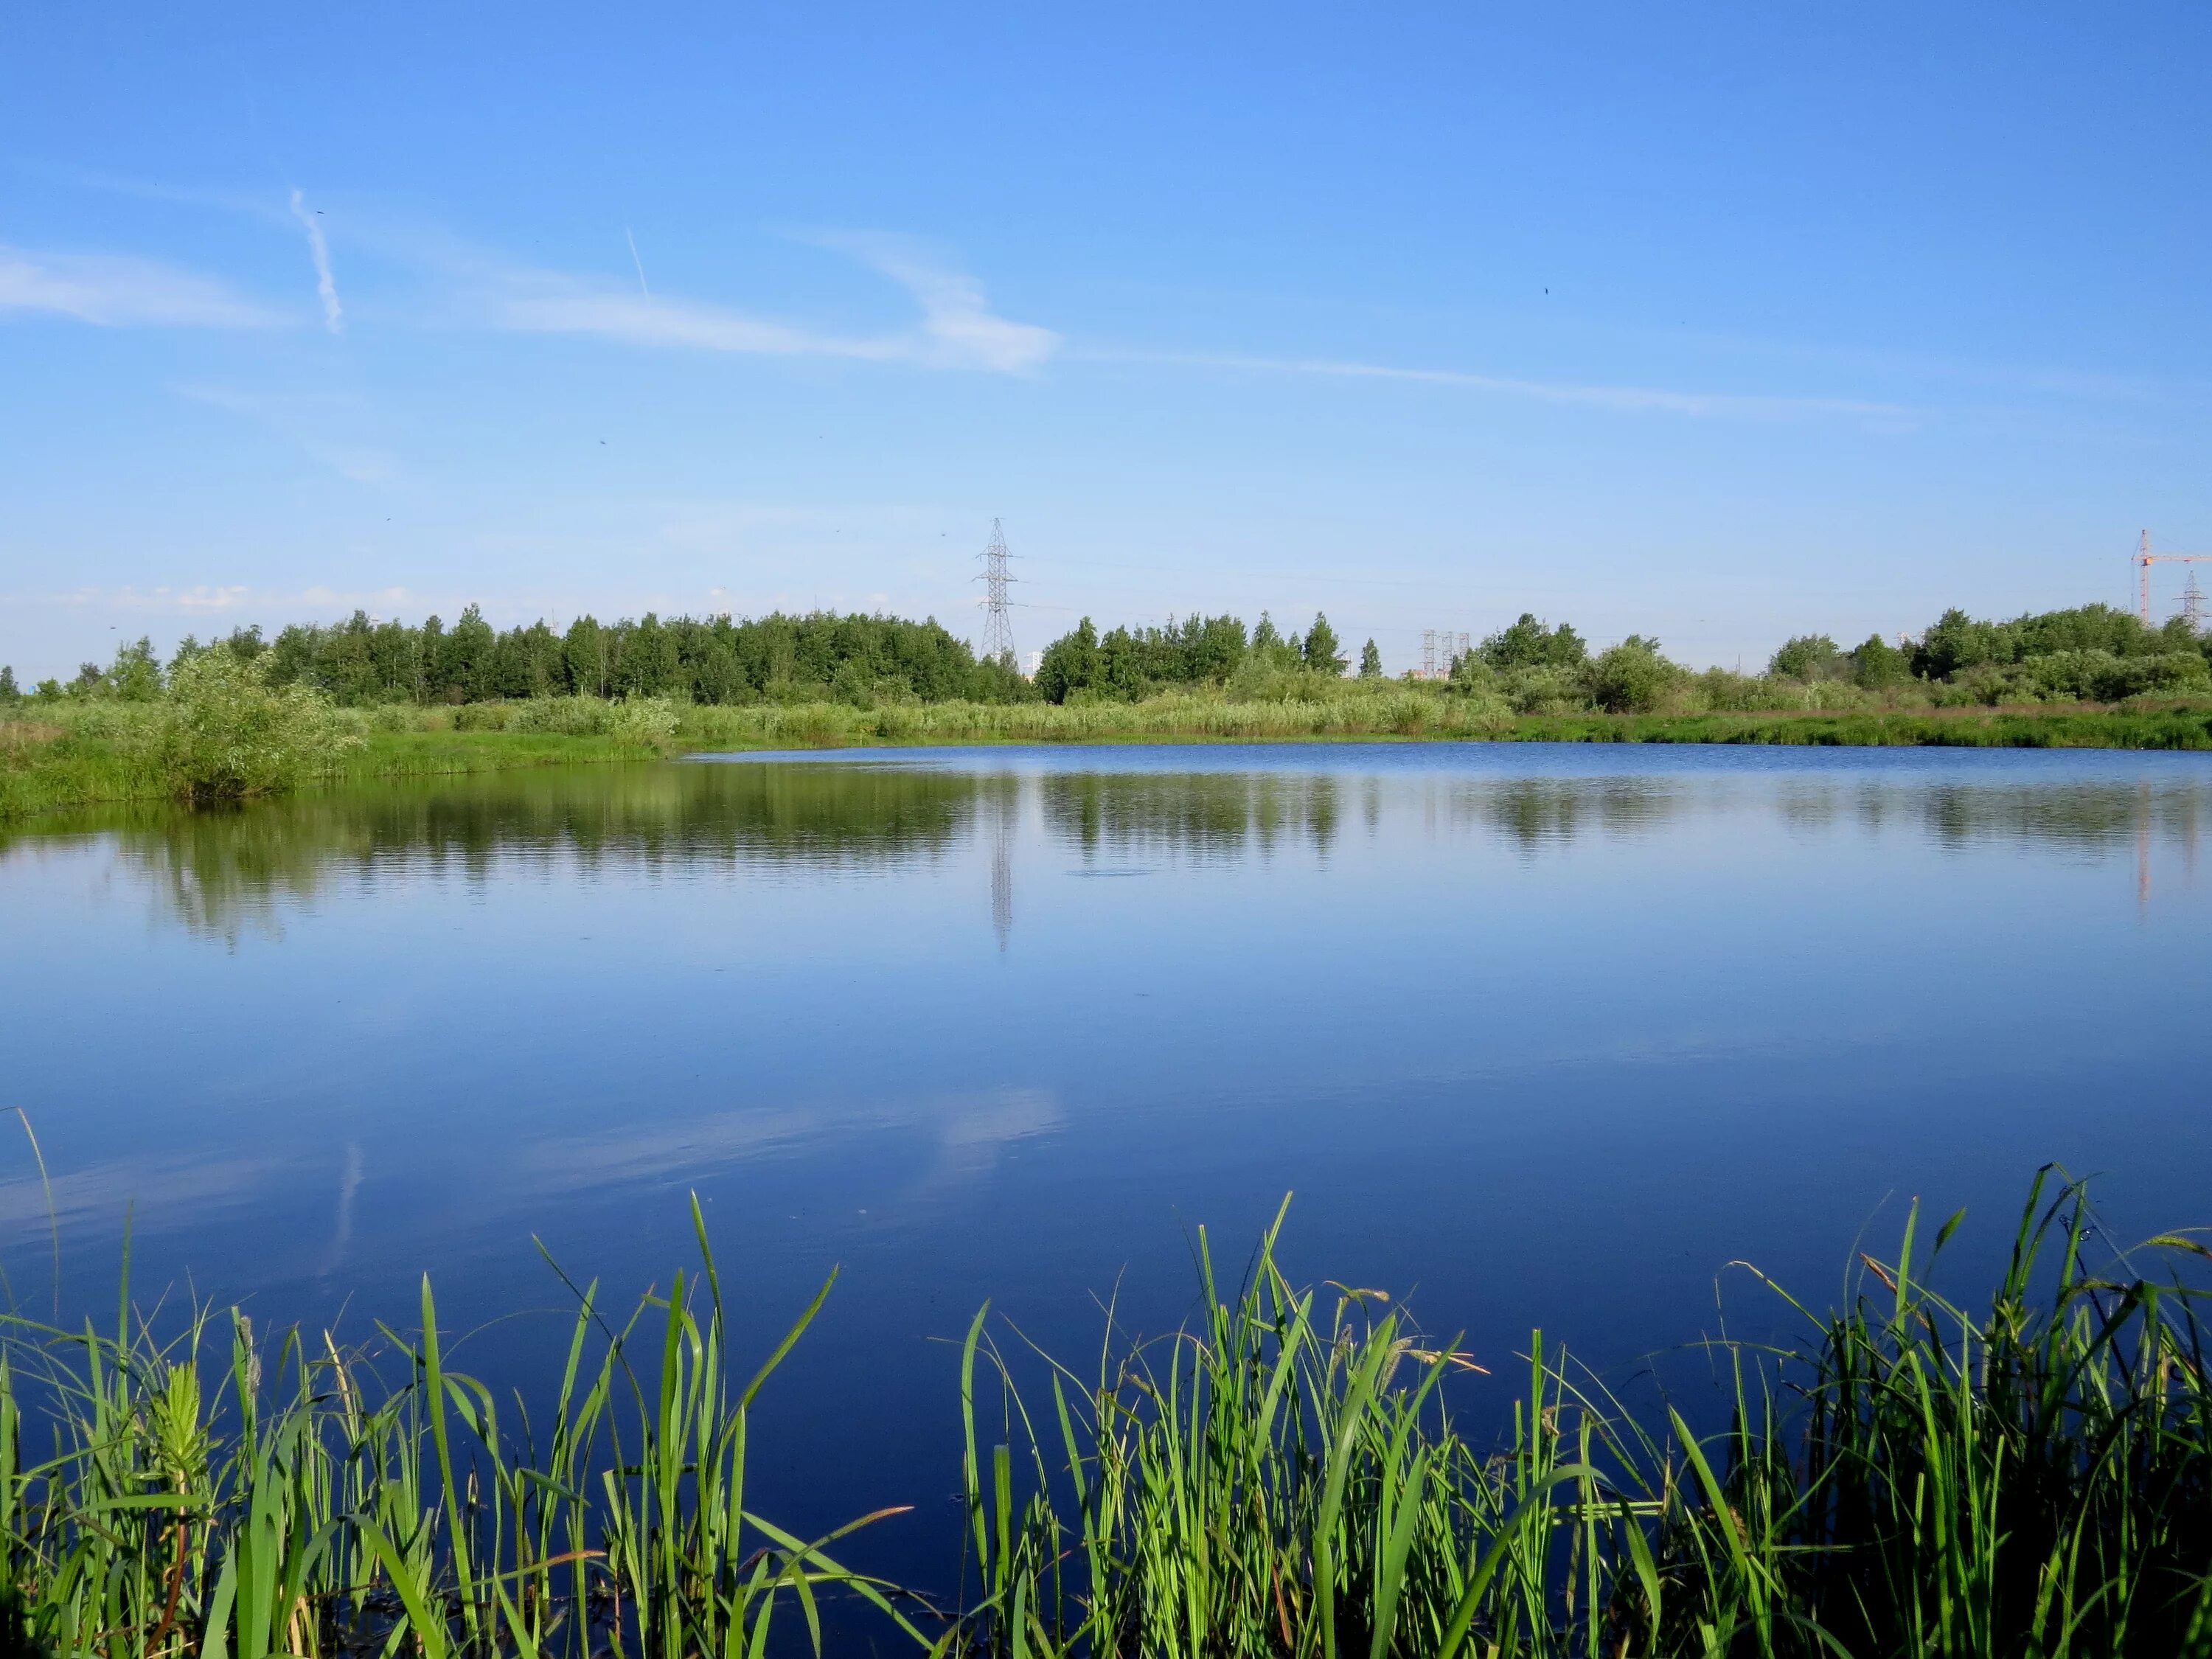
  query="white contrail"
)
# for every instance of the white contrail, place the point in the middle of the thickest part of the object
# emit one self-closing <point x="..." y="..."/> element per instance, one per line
<point x="639" y="263"/>
<point x="319" y="250"/>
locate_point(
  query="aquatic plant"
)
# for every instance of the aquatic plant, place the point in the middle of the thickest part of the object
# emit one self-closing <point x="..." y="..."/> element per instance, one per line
<point x="1914" y="1481"/>
<point x="263" y="1496"/>
<point x="1285" y="1477"/>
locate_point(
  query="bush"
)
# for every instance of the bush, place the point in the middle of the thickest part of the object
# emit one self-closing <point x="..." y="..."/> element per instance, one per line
<point x="1545" y="688"/>
<point x="1984" y="683"/>
<point x="650" y="722"/>
<point x="1632" y="677"/>
<point x="225" y="733"/>
<point x="484" y="717"/>
<point x="1807" y="657"/>
<point x="1722" y="691"/>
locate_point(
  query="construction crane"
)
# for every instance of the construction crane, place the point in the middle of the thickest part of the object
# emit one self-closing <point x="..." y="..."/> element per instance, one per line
<point x="2144" y="559"/>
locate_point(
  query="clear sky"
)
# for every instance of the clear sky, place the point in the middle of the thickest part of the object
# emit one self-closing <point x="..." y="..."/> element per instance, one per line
<point x="1720" y="321"/>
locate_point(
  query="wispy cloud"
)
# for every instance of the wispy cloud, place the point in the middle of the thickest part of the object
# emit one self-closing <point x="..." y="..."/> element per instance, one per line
<point x="326" y="288"/>
<point x="221" y="599"/>
<point x="957" y="320"/>
<point x="110" y="292"/>
<point x="957" y="329"/>
<point x="1626" y="399"/>
<point x="200" y="599"/>
<point x="562" y="304"/>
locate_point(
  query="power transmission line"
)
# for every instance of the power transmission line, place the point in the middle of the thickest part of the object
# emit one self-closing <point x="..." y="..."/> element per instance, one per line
<point x="998" y="621"/>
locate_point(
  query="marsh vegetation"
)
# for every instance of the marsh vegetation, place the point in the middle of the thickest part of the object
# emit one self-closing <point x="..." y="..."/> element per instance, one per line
<point x="244" y="717"/>
<point x="1293" y="1473"/>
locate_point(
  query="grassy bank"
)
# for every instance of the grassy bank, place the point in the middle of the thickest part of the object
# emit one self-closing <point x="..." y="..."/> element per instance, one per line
<point x="46" y="767"/>
<point x="1417" y="715"/>
<point x="2062" y="726"/>
<point x="78" y="756"/>
<point x="1285" y="1476"/>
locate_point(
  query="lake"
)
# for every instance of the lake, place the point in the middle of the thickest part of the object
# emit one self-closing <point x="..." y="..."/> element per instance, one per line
<point x="1544" y="1035"/>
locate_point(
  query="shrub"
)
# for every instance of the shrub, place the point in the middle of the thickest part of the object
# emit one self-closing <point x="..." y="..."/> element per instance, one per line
<point x="1543" y="689"/>
<point x="1632" y="677"/>
<point x="1807" y="657"/>
<point x="484" y="717"/>
<point x="648" y="721"/>
<point x="225" y="733"/>
<point x="565" y="717"/>
<point x="1721" y="690"/>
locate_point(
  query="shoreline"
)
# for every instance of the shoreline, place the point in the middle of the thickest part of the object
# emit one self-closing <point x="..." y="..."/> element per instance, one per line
<point x="62" y="771"/>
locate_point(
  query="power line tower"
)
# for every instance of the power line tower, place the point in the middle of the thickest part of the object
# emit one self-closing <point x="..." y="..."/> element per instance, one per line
<point x="2193" y="605"/>
<point x="998" y="624"/>
<point x="1440" y="648"/>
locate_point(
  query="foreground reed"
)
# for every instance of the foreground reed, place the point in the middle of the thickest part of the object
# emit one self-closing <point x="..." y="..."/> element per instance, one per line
<point x="1284" y="1477"/>
<point x="1914" y="1482"/>
<point x="290" y="1497"/>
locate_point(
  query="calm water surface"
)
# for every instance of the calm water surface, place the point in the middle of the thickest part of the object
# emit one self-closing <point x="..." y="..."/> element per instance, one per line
<point x="1548" y="1036"/>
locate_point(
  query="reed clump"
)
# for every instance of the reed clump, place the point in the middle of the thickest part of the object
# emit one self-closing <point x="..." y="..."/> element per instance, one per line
<point x="1916" y="1480"/>
<point x="217" y="1493"/>
<point x="1286" y="1476"/>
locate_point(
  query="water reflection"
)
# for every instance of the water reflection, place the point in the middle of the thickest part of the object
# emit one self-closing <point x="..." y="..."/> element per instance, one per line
<point x="1538" y="813"/>
<point x="221" y="875"/>
<point x="896" y="1011"/>
<point x="1216" y="815"/>
<point x="224" y="872"/>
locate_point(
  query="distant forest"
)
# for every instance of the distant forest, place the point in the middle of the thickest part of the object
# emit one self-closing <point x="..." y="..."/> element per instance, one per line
<point x="2093" y="653"/>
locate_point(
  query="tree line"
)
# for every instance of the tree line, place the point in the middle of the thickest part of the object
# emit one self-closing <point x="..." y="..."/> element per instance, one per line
<point x="2094" y="652"/>
<point x="364" y="661"/>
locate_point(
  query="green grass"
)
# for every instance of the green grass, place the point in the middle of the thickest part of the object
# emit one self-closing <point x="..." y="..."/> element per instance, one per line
<point x="88" y="755"/>
<point x="2056" y="728"/>
<point x="1415" y="714"/>
<point x="1284" y="1477"/>
<point x="46" y="768"/>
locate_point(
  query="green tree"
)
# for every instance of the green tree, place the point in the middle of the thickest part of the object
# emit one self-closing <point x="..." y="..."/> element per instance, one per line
<point x="1807" y="657"/>
<point x="1069" y="664"/>
<point x="1321" y="650"/>
<point x="1529" y="644"/>
<point x="135" y="676"/>
<point x="1371" y="662"/>
<point x="584" y="658"/>
<point x="1957" y="641"/>
<point x="1211" y="647"/>
<point x="1272" y="648"/>
<point x="1876" y="662"/>
<point x="649" y="665"/>
<point x="9" y="692"/>
<point x="465" y="664"/>
<point x="245" y="643"/>
<point x="999" y="681"/>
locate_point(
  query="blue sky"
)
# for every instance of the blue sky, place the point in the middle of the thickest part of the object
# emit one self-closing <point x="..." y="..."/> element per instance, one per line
<point x="1721" y="322"/>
